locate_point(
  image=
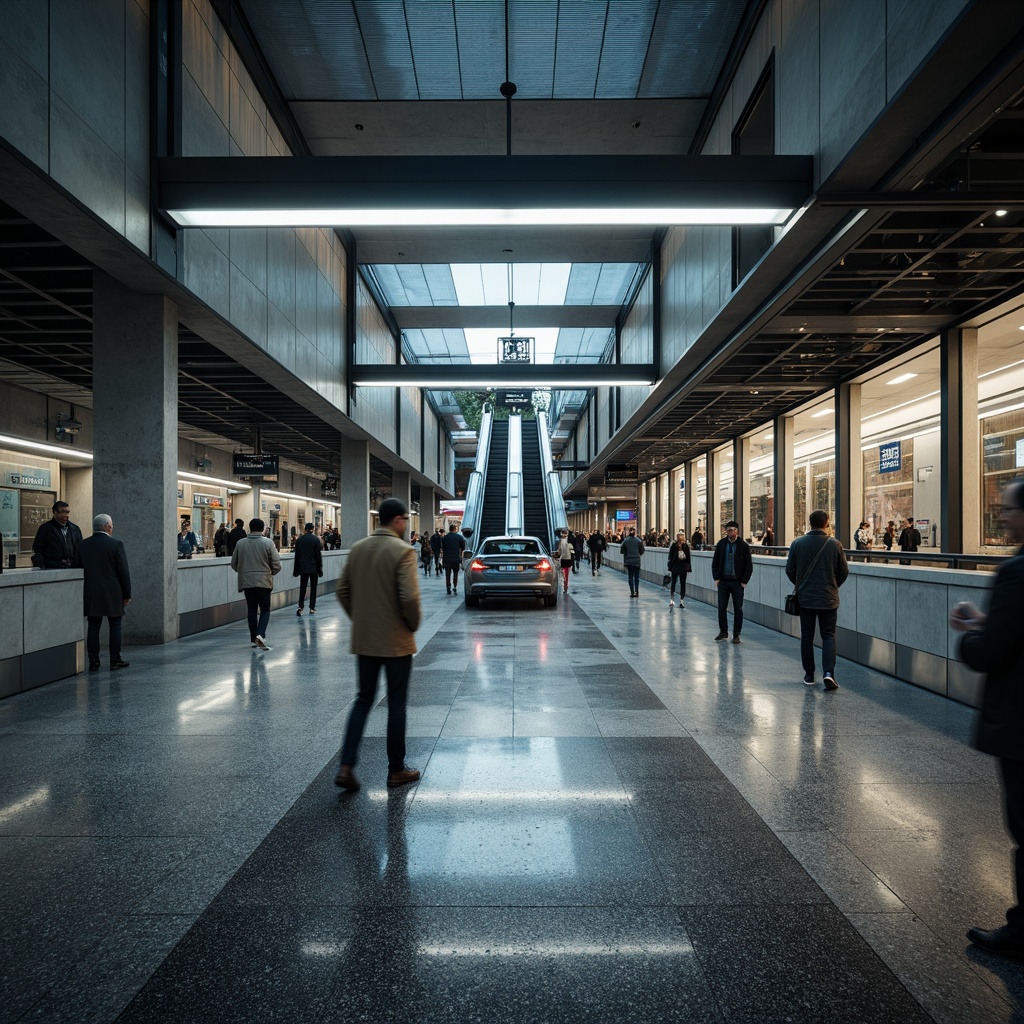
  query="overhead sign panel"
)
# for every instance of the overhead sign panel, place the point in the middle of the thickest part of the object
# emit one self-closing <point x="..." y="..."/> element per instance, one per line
<point x="518" y="399"/>
<point x="254" y="465"/>
<point x="622" y="475"/>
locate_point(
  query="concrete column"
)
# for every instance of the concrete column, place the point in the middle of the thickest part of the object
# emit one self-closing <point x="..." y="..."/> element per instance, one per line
<point x="713" y="482"/>
<point x="785" y="434"/>
<point x="690" y="498"/>
<point x="428" y="509"/>
<point x="849" y="464"/>
<point x="603" y="511"/>
<point x="245" y="506"/>
<point x="675" y="520"/>
<point x="135" y="436"/>
<point x="401" y="486"/>
<point x="960" y="486"/>
<point x="664" y="502"/>
<point x="741" y="484"/>
<point x="354" y="491"/>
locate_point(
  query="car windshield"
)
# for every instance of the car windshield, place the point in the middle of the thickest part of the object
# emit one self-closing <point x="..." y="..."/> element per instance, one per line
<point x="510" y="547"/>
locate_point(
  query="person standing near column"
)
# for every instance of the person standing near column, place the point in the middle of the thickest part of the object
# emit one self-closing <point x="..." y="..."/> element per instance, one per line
<point x="731" y="569"/>
<point x="257" y="562"/>
<point x="817" y="568"/>
<point x="309" y="567"/>
<point x="632" y="551"/>
<point x="56" y="540"/>
<point x="380" y="592"/>
<point x="107" y="589"/>
<point x="678" y="566"/>
<point x="993" y="643"/>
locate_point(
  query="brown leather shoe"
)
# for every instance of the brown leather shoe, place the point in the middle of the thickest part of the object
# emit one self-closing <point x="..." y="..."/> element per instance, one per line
<point x="345" y="779"/>
<point x="403" y="778"/>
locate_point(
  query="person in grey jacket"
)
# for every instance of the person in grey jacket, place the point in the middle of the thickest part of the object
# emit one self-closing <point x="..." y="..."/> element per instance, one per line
<point x="107" y="589"/>
<point x="632" y="550"/>
<point x="993" y="643"/>
<point x="257" y="562"/>
<point x="817" y="567"/>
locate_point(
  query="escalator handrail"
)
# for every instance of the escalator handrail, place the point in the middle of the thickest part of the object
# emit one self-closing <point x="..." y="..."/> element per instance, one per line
<point x="554" y="504"/>
<point x="514" y="485"/>
<point x="475" y="488"/>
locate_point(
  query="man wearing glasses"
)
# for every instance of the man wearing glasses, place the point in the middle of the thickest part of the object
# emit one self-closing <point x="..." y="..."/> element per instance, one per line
<point x="380" y="592"/>
<point x="993" y="643"/>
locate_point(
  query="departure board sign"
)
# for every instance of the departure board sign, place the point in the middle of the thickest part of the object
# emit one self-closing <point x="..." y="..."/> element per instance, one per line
<point x="622" y="475"/>
<point x="625" y="515"/>
<point x="890" y="457"/>
<point x="253" y="465"/>
<point x="513" y="399"/>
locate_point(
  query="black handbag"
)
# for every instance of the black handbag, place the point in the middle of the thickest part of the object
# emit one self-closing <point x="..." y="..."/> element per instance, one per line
<point x="792" y="601"/>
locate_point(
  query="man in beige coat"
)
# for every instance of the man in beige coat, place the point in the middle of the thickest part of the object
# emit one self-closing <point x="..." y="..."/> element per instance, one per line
<point x="380" y="592"/>
<point x="257" y="562"/>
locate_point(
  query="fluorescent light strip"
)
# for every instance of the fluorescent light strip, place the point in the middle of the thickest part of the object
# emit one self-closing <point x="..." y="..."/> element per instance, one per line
<point x="298" y="497"/>
<point x="312" y="218"/>
<point x="490" y="382"/>
<point x="235" y="485"/>
<point x="49" y="449"/>
<point x="900" y="379"/>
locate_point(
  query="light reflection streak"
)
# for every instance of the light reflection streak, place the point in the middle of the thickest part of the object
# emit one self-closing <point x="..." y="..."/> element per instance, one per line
<point x="40" y="796"/>
<point x="560" y="949"/>
<point x="324" y="948"/>
<point x="550" y="796"/>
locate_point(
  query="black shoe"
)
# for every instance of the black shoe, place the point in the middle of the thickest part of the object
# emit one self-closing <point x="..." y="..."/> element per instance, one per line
<point x="298" y="611"/>
<point x="94" y="666"/>
<point x="345" y="779"/>
<point x="724" y="635"/>
<point x="118" y="664"/>
<point x="1000" y="942"/>
<point x="830" y="682"/>
<point x="736" y="639"/>
<point x="312" y="611"/>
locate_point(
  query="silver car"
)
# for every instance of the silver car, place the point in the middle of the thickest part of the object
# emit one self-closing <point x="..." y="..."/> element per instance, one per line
<point x="511" y="567"/>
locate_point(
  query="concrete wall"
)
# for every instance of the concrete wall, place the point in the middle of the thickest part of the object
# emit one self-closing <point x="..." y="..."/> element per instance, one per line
<point x="892" y="618"/>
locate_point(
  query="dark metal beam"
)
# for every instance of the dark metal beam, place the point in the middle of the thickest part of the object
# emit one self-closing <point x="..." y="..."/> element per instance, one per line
<point x="575" y="376"/>
<point x="455" y="317"/>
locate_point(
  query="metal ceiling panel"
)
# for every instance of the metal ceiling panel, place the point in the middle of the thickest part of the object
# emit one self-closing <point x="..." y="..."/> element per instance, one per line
<point x="480" y="25"/>
<point x="629" y="24"/>
<point x="435" y="50"/>
<point x="446" y="345"/>
<point x="385" y="35"/>
<point x="583" y="344"/>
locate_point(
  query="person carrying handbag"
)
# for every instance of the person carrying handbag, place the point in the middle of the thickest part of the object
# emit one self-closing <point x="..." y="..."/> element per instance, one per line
<point x="817" y="568"/>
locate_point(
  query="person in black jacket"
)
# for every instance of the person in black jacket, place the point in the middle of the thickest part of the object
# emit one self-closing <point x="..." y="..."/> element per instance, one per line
<point x="731" y="569"/>
<point x="597" y="545"/>
<point x="56" y="540"/>
<point x="993" y="643"/>
<point x="309" y="567"/>
<point x="237" y="534"/>
<point x="452" y="546"/>
<point x="107" y="590"/>
<point x="678" y="566"/>
<point x="817" y="567"/>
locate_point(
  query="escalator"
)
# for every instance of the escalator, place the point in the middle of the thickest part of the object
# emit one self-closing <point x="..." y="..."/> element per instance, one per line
<point x="492" y="518"/>
<point x="535" y="517"/>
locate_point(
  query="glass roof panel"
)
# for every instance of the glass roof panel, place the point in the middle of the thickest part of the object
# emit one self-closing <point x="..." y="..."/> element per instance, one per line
<point x="486" y="284"/>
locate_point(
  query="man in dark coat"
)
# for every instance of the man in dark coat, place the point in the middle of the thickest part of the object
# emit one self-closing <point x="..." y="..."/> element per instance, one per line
<point x="993" y="643"/>
<point x="452" y="546"/>
<point x="56" y="540"/>
<point x="107" y="589"/>
<point x="435" y="549"/>
<point x="817" y="567"/>
<point x="597" y="545"/>
<point x="679" y="565"/>
<point x="731" y="569"/>
<point x="309" y="567"/>
<point x="237" y="534"/>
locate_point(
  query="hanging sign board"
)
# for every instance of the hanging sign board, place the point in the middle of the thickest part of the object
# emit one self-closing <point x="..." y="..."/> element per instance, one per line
<point x="625" y="515"/>
<point x="207" y="500"/>
<point x="253" y="465"/>
<point x="516" y="350"/>
<point x="513" y="399"/>
<point x="622" y="475"/>
<point x="890" y="459"/>
<point x="328" y="488"/>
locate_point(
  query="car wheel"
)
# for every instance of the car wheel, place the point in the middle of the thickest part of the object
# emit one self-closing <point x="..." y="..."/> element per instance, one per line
<point x="471" y="602"/>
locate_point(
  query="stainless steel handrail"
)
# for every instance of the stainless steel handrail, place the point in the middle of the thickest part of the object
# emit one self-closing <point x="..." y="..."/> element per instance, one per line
<point x="514" y="487"/>
<point x="938" y="560"/>
<point x="554" y="504"/>
<point x="475" y="487"/>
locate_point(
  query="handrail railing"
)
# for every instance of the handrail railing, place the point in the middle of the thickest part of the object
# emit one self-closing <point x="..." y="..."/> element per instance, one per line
<point x="514" y="493"/>
<point x="554" y="504"/>
<point x="926" y="559"/>
<point x="475" y="487"/>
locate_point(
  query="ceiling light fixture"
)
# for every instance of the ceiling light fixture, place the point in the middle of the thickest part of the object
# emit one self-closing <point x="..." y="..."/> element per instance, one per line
<point x="824" y="412"/>
<point x="467" y="191"/>
<point x="900" y="379"/>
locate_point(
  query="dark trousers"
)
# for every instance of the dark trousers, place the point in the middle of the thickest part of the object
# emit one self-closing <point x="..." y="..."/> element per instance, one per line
<point x="680" y="575"/>
<point x="306" y="578"/>
<point x="633" y="575"/>
<point x="1013" y="794"/>
<point x="825" y="619"/>
<point x="258" y="599"/>
<point x="451" y="577"/>
<point x="396" y="671"/>
<point x="735" y="589"/>
<point x="596" y="558"/>
<point x="92" y="642"/>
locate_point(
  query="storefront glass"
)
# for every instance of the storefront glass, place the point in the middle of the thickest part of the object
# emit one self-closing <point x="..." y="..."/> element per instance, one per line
<point x="814" y="463"/>
<point x="759" y="485"/>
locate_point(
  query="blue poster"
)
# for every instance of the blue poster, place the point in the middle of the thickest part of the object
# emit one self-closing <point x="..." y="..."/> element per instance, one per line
<point x="890" y="458"/>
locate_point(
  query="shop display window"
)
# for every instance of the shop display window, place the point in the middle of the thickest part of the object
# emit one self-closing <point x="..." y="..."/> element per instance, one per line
<point x="1002" y="453"/>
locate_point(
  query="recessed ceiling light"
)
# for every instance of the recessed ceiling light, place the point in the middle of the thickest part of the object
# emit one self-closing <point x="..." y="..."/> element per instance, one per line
<point x="900" y="379"/>
<point x="1001" y="213"/>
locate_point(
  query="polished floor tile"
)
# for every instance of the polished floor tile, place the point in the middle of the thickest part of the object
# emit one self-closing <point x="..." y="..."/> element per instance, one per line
<point x="618" y="820"/>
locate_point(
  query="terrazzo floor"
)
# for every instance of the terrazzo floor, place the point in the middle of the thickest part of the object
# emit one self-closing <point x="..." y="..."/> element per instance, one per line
<point x="619" y="820"/>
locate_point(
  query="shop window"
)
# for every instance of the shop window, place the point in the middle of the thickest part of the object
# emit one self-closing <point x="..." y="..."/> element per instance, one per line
<point x="1002" y="452"/>
<point x="888" y="495"/>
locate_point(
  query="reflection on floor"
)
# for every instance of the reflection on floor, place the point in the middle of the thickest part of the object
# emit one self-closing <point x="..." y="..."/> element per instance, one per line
<point x="619" y="820"/>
